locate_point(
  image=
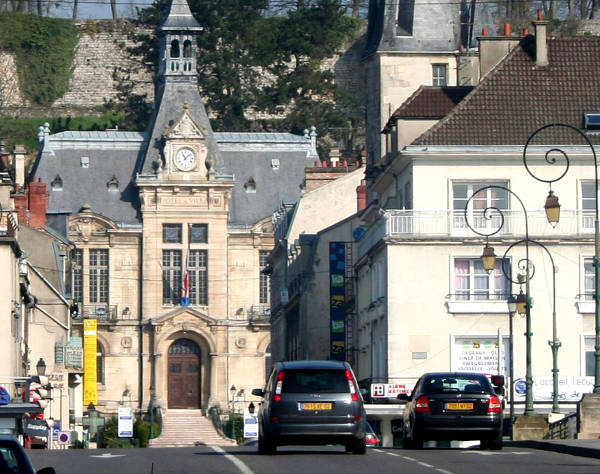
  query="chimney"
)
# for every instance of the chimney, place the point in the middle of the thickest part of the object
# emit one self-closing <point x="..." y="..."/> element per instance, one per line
<point x="38" y="204"/>
<point x="541" y="48"/>
<point x="361" y="195"/>
<point x="19" y="166"/>
<point x="493" y="49"/>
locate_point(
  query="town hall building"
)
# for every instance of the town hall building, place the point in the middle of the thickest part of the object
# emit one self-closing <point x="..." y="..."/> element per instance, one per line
<point x="170" y="229"/>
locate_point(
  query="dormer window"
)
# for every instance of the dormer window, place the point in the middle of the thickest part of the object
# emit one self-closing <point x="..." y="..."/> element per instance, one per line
<point x="250" y="186"/>
<point x="175" y="49"/>
<point x="275" y="163"/>
<point x="85" y="161"/>
<point x="113" y="184"/>
<point x="592" y="120"/>
<point x="57" y="183"/>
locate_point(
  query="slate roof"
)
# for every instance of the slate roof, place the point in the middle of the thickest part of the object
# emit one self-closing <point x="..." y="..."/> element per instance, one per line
<point x="518" y="97"/>
<point x="117" y="153"/>
<point x="180" y="18"/>
<point x="429" y="103"/>
<point x="109" y="154"/>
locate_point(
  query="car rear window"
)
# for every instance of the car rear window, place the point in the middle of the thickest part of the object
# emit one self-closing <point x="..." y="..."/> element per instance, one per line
<point x="315" y="381"/>
<point x="444" y="384"/>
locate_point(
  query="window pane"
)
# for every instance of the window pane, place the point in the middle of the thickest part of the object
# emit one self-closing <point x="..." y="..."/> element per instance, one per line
<point x="199" y="233"/>
<point x="171" y="277"/>
<point x="172" y="233"/>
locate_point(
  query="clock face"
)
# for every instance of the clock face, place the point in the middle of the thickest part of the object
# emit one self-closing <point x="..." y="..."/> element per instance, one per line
<point x="185" y="159"/>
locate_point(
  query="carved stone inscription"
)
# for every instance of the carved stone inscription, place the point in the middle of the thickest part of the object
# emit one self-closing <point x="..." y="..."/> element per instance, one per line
<point x="184" y="201"/>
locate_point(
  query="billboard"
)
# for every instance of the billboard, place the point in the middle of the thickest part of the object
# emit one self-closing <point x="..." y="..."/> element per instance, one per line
<point x="90" y="353"/>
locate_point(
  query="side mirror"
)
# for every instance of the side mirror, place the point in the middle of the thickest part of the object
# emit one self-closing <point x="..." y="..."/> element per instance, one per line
<point x="258" y="392"/>
<point x="498" y="380"/>
<point x="404" y="397"/>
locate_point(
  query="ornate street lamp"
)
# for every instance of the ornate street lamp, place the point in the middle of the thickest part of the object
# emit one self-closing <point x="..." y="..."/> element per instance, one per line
<point x="40" y="367"/>
<point x="488" y="213"/>
<point x="553" y="217"/>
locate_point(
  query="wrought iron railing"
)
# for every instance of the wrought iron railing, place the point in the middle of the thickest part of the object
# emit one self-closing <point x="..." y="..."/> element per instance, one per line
<point x="565" y="428"/>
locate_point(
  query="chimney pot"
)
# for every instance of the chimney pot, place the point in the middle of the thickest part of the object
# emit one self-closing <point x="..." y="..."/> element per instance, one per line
<point x="540" y="15"/>
<point x="357" y="164"/>
<point x="484" y="32"/>
<point x="324" y="164"/>
<point x="317" y="163"/>
<point x="525" y="31"/>
<point x="507" y="29"/>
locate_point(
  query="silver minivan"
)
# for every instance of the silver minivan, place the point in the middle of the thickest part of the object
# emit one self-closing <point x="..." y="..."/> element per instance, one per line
<point x="311" y="402"/>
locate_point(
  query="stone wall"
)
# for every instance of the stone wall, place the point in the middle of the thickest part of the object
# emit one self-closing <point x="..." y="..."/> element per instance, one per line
<point x="103" y="49"/>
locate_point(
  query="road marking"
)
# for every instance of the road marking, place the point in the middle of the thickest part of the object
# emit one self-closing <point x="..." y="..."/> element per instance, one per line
<point x="106" y="455"/>
<point x="239" y="464"/>
<point x="408" y="458"/>
<point x="494" y="453"/>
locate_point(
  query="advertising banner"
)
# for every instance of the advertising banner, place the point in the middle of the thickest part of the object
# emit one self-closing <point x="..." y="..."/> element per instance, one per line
<point x="570" y="388"/>
<point x="90" y="353"/>
<point x="337" y="300"/>
<point x="390" y="390"/>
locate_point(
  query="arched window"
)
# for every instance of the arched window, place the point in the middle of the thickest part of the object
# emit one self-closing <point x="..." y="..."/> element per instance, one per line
<point x="184" y="346"/>
<point x="187" y="49"/>
<point x="99" y="363"/>
<point x="175" y="48"/>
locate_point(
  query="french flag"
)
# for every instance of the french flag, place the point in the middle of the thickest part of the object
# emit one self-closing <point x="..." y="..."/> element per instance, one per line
<point x="185" y="283"/>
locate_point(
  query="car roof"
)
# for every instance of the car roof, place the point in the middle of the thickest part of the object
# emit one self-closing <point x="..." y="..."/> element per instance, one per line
<point x="453" y="374"/>
<point x="313" y="364"/>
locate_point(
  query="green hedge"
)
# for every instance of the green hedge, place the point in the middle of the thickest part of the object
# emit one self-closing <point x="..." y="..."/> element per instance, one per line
<point x="44" y="49"/>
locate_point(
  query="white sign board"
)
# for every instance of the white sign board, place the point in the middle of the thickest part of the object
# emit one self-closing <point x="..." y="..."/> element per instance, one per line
<point x="125" y="427"/>
<point x="479" y="354"/>
<point x="570" y="389"/>
<point x="390" y="390"/>
<point x="250" y="424"/>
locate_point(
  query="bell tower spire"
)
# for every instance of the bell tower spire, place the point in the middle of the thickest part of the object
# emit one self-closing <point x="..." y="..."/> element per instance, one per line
<point x="178" y="44"/>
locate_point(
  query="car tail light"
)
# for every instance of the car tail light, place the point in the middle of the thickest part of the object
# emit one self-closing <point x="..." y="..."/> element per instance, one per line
<point x="422" y="404"/>
<point x="494" y="404"/>
<point x="371" y="440"/>
<point x="278" y="385"/>
<point x="353" y="391"/>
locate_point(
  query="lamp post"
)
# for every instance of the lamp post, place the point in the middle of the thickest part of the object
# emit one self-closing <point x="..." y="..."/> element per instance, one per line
<point x="512" y="309"/>
<point x="520" y="304"/>
<point x="489" y="262"/>
<point x="232" y="391"/>
<point x="552" y="208"/>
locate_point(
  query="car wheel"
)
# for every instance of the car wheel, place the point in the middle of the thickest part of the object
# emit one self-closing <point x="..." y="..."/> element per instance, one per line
<point x="406" y="441"/>
<point x="266" y="445"/>
<point x="359" y="446"/>
<point x="494" y="443"/>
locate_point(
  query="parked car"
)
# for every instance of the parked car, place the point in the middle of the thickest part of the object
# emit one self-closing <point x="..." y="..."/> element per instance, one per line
<point x="454" y="406"/>
<point x="311" y="403"/>
<point x="13" y="458"/>
<point x="371" y="438"/>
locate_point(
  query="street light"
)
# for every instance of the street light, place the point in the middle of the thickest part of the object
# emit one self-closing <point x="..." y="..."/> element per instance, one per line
<point x="553" y="217"/>
<point x="522" y="304"/>
<point x="487" y="213"/>
<point x="40" y="367"/>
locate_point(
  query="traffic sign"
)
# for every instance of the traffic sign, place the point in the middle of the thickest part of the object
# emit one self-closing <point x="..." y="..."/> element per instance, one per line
<point x="64" y="437"/>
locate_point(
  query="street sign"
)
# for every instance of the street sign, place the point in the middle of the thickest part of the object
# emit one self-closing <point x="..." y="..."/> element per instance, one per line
<point x="390" y="390"/>
<point x="125" y="427"/>
<point x="250" y="424"/>
<point x="63" y="437"/>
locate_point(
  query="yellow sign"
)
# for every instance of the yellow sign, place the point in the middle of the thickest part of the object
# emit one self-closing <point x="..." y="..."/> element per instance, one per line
<point x="90" y="351"/>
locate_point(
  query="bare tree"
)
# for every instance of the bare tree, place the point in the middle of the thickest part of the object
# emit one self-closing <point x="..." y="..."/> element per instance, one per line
<point x="113" y="9"/>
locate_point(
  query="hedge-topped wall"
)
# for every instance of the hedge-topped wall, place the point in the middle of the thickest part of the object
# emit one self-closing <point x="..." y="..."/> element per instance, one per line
<point x="75" y="81"/>
<point x="44" y="49"/>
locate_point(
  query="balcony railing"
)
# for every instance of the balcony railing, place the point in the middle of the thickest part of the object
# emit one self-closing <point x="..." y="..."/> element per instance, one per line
<point x="414" y="224"/>
<point x="102" y="312"/>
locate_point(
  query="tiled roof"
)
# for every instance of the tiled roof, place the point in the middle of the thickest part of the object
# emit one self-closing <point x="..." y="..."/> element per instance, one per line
<point x="518" y="97"/>
<point x="430" y="102"/>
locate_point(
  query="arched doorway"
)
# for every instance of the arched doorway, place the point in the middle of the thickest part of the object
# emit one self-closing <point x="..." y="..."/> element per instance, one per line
<point x="184" y="374"/>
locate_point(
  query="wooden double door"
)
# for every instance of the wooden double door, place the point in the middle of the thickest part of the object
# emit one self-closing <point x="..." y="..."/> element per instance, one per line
<point x="185" y="374"/>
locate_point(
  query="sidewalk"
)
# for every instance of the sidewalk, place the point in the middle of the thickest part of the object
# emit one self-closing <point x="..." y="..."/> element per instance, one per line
<point x="589" y="448"/>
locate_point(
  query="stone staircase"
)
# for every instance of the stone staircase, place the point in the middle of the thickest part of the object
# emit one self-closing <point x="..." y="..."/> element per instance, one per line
<point x="184" y="428"/>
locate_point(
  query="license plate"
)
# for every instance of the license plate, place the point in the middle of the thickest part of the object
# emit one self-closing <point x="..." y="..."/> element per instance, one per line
<point x="315" y="406"/>
<point x="458" y="406"/>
